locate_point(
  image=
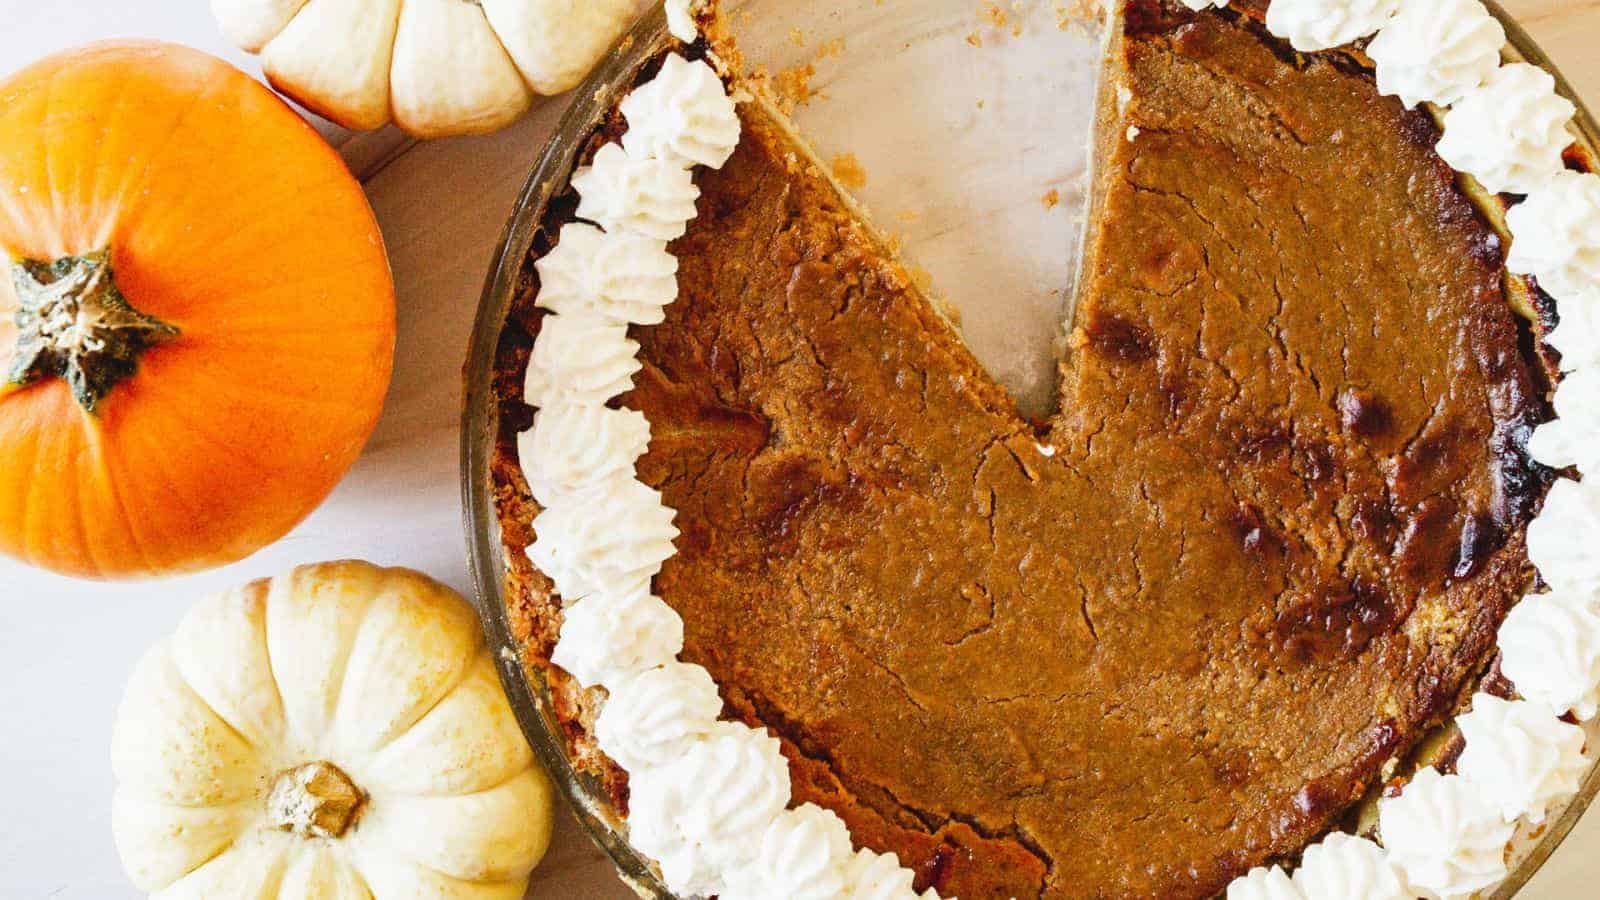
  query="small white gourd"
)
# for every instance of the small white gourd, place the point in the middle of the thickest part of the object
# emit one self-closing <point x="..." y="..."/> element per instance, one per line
<point x="337" y="732"/>
<point x="433" y="67"/>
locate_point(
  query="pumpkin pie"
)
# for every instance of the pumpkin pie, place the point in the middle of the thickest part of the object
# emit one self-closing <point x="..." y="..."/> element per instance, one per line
<point x="1180" y="626"/>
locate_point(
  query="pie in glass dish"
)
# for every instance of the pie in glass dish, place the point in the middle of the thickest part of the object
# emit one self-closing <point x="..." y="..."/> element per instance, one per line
<point x="810" y="590"/>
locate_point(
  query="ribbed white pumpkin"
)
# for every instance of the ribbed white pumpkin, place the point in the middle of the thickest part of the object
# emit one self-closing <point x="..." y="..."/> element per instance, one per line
<point x="434" y="67"/>
<point x="338" y="732"/>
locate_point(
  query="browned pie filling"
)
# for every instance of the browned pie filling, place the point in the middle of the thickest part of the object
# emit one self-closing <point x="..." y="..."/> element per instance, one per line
<point x="1173" y="631"/>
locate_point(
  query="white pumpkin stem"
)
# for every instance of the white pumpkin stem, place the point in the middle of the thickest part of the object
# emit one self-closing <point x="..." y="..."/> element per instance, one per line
<point x="315" y="800"/>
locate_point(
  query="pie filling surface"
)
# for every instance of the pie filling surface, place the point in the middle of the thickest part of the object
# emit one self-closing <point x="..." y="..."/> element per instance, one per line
<point x="1172" y="631"/>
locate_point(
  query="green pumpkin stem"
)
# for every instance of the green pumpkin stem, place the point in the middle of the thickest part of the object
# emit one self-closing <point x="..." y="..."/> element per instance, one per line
<point x="73" y="323"/>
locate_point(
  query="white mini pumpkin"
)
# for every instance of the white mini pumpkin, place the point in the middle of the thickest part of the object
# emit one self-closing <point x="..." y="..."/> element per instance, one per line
<point x="337" y="732"/>
<point x="435" y="67"/>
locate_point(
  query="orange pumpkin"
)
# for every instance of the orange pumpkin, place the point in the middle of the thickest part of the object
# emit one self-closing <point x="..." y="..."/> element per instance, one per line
<point x="196" y="313"/>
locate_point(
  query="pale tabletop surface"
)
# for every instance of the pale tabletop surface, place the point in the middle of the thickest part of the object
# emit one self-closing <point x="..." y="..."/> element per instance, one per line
<point x="66" y="647"/>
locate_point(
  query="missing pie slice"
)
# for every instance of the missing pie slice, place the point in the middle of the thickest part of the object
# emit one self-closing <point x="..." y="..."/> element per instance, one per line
<point x="1182" y="625"/>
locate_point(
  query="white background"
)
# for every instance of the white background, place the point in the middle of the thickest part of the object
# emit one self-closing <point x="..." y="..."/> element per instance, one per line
<point x="66" y="647"/>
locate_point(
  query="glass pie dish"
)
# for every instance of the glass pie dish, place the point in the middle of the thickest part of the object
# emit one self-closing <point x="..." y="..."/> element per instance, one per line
<point x="837" y="64"/>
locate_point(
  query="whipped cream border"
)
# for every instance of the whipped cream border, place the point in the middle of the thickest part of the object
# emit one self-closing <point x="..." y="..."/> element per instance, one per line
<point x="1527" y="759"/>
<point x="718" y="858"/>
<point x="710" y="797"/>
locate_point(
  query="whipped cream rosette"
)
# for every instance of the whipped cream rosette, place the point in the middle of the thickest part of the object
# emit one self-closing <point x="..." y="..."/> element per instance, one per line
<point x="1345" y="867"/>
<point x="1577" y="336"/>
<point x="1324" y="24"/>
<point x="1510" y="133"/>
<point x="1264" y="883"/>
<point x="680" y="20"/>
<point x="1521" y="757"/>
<point x="609" y="540"/>
<point x="648" y="196"/>
<point x="1556" y="235"/>
<point x="879" y="876"/>
<point x="1437" y="52"/>
<point x="805" y="854"/>
<point x="701" y="814"/>
<point x="1550" y="649"/>
<point x="607" y="639"/>
<point x="1561" y="541"/>
<point x="615" y="276"/>
<point x="576" y="448"/>
<point x="655" y="716"/>
<point x="1572" y="438"/>
<point x="580" y="360"/>
<point x="1444" y="836"/>
<point x="684" y="116"/>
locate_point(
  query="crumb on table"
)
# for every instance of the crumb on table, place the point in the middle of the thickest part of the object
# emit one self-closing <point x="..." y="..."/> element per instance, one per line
<point x="848" y="170"/>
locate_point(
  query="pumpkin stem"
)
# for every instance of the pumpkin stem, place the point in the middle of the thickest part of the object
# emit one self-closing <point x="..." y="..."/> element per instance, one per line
<point x="314" y="800"/>
<point x="73" y="322"/>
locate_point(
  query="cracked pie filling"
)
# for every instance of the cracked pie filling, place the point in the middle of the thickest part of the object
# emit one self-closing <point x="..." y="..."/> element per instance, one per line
<point x="1171" y="632"/>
